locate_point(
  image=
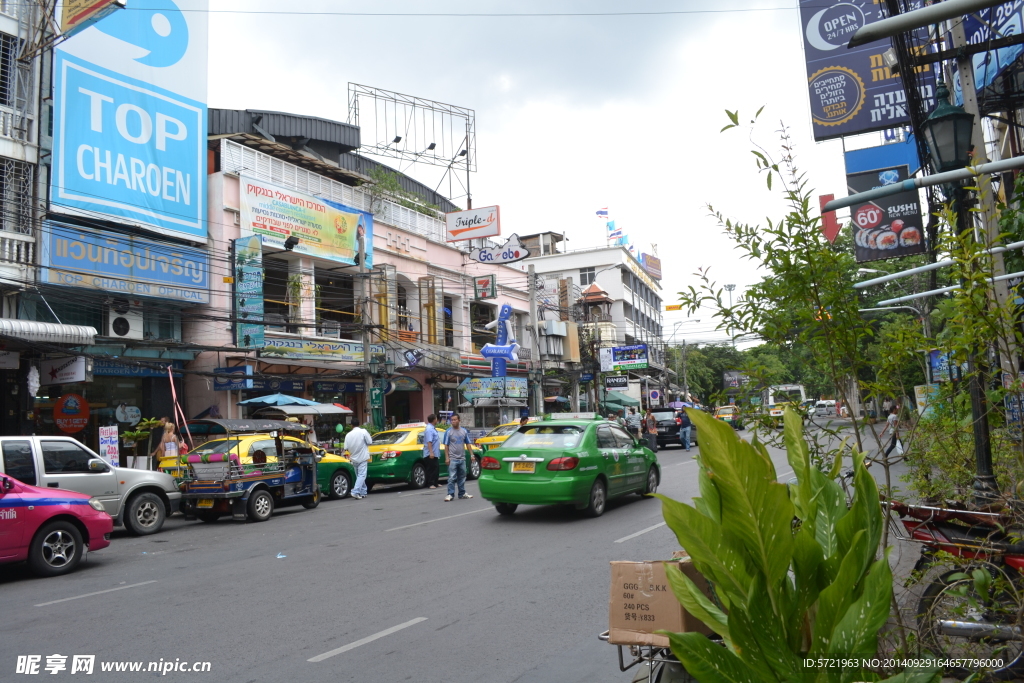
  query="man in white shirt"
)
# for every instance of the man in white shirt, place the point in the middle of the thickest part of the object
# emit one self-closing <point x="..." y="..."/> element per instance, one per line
<point x="356" y="443"/>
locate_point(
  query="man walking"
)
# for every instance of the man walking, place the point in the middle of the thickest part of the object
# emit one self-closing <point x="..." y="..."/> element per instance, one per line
<point x="684" y="428"/>
<point x="457" y="449"/>
<point x="651" y="427"/>
<point x="357" y="444"/>
<point x="892" y="424"/>
<point x="633" y="422"/>
<point x="431" y="451"/>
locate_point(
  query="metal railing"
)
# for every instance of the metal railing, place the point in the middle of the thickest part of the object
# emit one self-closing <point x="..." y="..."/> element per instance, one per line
<point x="17" y="248"/>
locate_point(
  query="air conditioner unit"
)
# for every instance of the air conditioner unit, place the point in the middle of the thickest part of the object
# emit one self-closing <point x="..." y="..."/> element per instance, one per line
<point x="329" y="328"/>
<point x="124" y="319"/>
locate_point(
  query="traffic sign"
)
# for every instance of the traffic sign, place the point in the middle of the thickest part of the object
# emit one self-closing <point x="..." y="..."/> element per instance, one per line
<point x="376" y="397"/>
<point x="655" y="395"/>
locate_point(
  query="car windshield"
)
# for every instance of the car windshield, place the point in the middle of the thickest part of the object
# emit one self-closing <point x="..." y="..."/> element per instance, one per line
<point x="726" y="411"/>
<point x="385" y="438"/>
<point x="545" y="436"/>
<point x="668" y="415"/>
<point x="503" y="430"/>
<point x="215" y="446"/>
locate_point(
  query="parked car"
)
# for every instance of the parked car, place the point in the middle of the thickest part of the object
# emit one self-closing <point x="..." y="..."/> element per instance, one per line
<point x="668" y="429"/>
<point x="824" y="408"/>
<point x="730" y="414"/>
<point x="497" y="436"/>
<point x="51" y="529"/>
<point x="584" y="463"/>
<point x="396" y="456"/>
<point x="140" y="500"/>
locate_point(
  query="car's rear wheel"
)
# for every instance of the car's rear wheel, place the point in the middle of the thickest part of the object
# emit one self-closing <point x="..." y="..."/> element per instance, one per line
<point x="506" y="508"/>
<point x="144" y="514"/>
<point x="340" y="486"/>
<point x="261" y="506"/>
<point x="473" y="469"/>
<point x="652" y="482"/>
<point x="418" y="476"/>
<point x="598" y="499"/>
<point x="56" y="549"/>
<point x="208" y="517"/>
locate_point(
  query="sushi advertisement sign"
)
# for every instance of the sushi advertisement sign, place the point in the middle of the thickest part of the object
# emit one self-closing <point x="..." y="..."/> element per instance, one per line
<point x="888" y="227"/>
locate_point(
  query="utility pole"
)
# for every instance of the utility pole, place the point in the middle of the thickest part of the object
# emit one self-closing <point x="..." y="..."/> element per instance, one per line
<point x="538" y="372"/>
<point x="686" y="384"/>
<point x="730" y="289"/>
<point x="364" y="317"/>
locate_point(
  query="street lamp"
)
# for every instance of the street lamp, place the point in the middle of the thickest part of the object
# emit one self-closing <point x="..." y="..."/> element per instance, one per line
<point x="948" y="131"/>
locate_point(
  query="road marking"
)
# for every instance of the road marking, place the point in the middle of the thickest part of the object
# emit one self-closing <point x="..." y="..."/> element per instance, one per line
<point x="89" y="595"/>
<point x="439" y="519"/>
<point x="784" y="475"/>
<point x="367" y="639"/>
<point x="641" y="532"/>
<point x="677" y="464"/>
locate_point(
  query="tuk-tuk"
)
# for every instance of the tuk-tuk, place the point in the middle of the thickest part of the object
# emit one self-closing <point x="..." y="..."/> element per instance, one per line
<point x="219" y="483"/>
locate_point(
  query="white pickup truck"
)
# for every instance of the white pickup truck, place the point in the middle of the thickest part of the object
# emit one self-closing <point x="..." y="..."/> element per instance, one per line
<point x="137" y="499"/>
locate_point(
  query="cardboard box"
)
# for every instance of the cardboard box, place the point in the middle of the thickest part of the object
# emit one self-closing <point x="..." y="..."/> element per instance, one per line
<point x="642" y="602"/>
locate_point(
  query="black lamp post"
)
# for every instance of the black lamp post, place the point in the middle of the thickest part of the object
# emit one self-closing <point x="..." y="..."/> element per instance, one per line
<point x="948" y="131"/>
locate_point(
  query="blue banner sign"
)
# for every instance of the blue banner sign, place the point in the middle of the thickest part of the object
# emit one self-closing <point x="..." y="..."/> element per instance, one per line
<point x="338" y="387"/>
<point x="1005" y="19"/>
<point x="279" y="385"/>
<point x="126" y="264"/>
<point x="249" y="330"/>
<point x="233" y="379"/>
<point x="852" y="91"/>
<point x="112" y="368"/>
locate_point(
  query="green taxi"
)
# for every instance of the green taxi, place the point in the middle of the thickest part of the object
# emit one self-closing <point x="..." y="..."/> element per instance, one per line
<point x="396" y="457"/>
<point x="582" y="462"/>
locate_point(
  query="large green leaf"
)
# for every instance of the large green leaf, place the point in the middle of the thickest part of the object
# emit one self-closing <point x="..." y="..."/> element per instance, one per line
<point x="709" y="494"/>
<point x="856" y="634"/>
<point x="696" y="603"/>
<point x="865" y="515"/>
<point x="766" y="650"/>
<point x="755" y="508"/>
<point x="800" y="460"/>
<point x="835" y="598"/>
<point x="830" y="508"/>
<point x="807" y="559"/>
<point x="710" y="663"/>
<point x="918" y="674"/>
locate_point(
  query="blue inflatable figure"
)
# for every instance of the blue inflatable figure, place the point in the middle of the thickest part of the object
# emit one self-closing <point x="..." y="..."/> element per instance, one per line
<point x="505" y="349"/>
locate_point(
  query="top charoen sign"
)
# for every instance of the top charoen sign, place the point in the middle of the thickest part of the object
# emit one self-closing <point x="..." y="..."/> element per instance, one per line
<point x="473" y="224"/>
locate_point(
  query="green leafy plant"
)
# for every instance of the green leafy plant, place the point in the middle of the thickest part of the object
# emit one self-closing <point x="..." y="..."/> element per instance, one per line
<point x="794" y="569"/>
<point x="386" y="186"/>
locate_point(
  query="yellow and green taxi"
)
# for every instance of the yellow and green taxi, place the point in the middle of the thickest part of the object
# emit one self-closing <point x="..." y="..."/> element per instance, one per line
<point x="335" y="474"/>
<point x="396" y="457"/>
<point x="497" y="436"/>
<point x="581" y="461"/>
<point x="729" y="414"/>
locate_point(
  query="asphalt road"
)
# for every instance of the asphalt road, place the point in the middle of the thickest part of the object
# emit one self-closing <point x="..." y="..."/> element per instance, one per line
<point x="452" y="591"/>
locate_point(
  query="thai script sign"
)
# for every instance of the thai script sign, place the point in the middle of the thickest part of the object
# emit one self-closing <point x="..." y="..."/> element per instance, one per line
<point x="249" y="328"/>
<point x="473" y="224"/>
<point x="651" y="264"/>
<point x="325" y="229"/>
<point x="633" y="357"/>
<point x="344" y="351"/>
<point x="113" y="262"/>
<point x="852" y="91"/>
<point x="102" y="367"/>
<point x="129" y="122"/>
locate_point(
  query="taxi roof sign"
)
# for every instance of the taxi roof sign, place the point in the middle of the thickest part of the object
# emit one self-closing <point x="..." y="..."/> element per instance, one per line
<point x="570" y="416"/>
<point x="408" y="425"/>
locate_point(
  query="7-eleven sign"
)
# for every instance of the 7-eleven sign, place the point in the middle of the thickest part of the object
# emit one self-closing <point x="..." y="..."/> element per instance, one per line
<point x="485" y="287"/>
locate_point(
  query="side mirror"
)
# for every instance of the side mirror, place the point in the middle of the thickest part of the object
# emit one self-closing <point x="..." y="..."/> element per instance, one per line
<point x="97" y="465"/>
<point x="8" y="484"/>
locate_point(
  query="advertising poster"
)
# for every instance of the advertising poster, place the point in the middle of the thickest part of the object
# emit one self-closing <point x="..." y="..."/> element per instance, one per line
<point x="616" y="382"/>
<point x="64" y="370"/>
<point x="325" y="229"/>
<point x="607" y="360"/>
<point x="483" y="387"/>
<point x="888" y="227"/>
<point x="109" y="450"/>
<point x="249" y="328"/>
<point x="126" y="264"/>
<point x="981" y="26"/>
<point x="652" y="264"/>
<point x="71" y="413"/>
<point x="129" y="118"/>
<point x="234" y="378"/>
<point x="852" y="91"/>
<point x="629" y="357"/>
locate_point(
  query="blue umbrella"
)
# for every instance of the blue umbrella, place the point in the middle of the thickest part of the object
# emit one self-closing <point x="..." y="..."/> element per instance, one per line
<point x="278" y="400"/>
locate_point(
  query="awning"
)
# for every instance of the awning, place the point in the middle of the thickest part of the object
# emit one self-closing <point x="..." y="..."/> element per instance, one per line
<point x="620" y="398"/>
<point x="54" y="333"/>
<point x="318" y="409"/>
<point x="494" y="403"/>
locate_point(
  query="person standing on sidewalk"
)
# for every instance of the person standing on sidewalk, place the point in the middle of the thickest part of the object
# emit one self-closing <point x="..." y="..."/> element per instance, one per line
<point x="651" y="429"/>
<point x="431" y="451"/>
<point x="357" y="444"/>
<point x="684" y="428"/>
<point x="457" y="449"/>
<point x="633" y="422"/>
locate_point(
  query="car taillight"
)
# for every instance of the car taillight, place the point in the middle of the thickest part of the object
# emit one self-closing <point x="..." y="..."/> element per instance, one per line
<point x="559" y="464"/>
<point x="489" y="463"/>
<point x="679" y="421"/>
<point x="389" y="454"/>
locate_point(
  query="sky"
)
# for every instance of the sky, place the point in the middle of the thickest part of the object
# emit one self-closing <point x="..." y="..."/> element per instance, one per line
<point x="573" y="113"/>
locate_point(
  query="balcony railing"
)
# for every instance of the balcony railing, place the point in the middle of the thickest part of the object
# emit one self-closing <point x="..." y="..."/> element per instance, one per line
<point x="17" y="248"/>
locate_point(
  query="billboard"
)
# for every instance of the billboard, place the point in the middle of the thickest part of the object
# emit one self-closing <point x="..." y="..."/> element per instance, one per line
<point x="981" y="26"/>
<point x="129" y="118"/>
<point x="887" y="227"/>
<point x="126" y="264"/>
<point x="616" y="382"/>
<point x="732" y="381"/>
<point x="652" y="264"/>
<point x="249" y="327"/>
<point x="473" y="224"/>
<point x="325" y="229"/>
<point x="77" y="15"/>
<point x="852" y="91"/>
<point x="629" y="357"/>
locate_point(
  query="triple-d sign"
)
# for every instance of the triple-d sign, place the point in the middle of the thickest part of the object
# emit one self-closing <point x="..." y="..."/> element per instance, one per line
<point x="473" y="224"/>
<point x="511" y="251"/>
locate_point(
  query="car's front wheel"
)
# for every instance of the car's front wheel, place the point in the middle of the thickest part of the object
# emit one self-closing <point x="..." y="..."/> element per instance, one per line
<point x="598" y="499"/>
<point x="340" y="486"/>
<point x="261" y="506"/>
<point x="473" y="470"/>
<point x="145" y="514"/>
<point x="56" y="549"/>
<point x="506" y="508"/>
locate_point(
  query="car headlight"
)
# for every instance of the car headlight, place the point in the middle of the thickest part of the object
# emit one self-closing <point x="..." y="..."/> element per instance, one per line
<point x="97" y="505"/>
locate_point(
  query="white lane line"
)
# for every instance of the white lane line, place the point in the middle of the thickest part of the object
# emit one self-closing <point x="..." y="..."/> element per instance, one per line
<point x="89" y="595"/>
<point x="641" y="532"/>
<point x="785" y="475"/>
<point x="439" y="519"/>
<point x="367" y="639"/>
<point x="677" y="464"/>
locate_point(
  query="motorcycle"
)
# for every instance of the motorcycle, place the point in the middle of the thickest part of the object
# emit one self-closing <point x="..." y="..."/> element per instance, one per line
<point x="970" y="615"/>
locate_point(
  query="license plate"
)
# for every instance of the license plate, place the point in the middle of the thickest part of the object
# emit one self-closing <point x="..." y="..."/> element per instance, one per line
<point x="524" y="467"/>
<point x="205" y="503"/>
<point x="662" y="430"/>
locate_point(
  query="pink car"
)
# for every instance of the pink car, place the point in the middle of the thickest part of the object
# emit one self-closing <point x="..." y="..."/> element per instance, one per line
<point x="51" y="528"/>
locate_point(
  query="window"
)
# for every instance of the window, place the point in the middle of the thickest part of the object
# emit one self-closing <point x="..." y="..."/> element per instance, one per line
<point x="19" y="462"/>
<point x="275" y="293"/>
<point x="543" y="436"/>
<point x="449" y="322"/>
<point x="16" y="194"/>
<point x="64" y="456"/>
<point x="268" y="447"/>
<point x="622" y="439"/>
<point x="162" y="323"/>
<point x="8" y="68"/>
<point x="605" y="438"/>
<point x="403" y="309"/>
<point x="389" y="438"/>
<point x="587" y="276"/>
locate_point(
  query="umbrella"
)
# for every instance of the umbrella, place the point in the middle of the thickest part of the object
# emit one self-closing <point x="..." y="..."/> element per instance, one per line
<point x="677" y="405"/>
<point x="277" y="400"/>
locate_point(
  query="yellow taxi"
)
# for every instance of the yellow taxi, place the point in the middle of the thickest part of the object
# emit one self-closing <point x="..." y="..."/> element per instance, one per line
<point x="730" y="415"/>
<point x="335" y="474"/>
<point x="497" y="436"/>
<point x="396" y="456"/>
